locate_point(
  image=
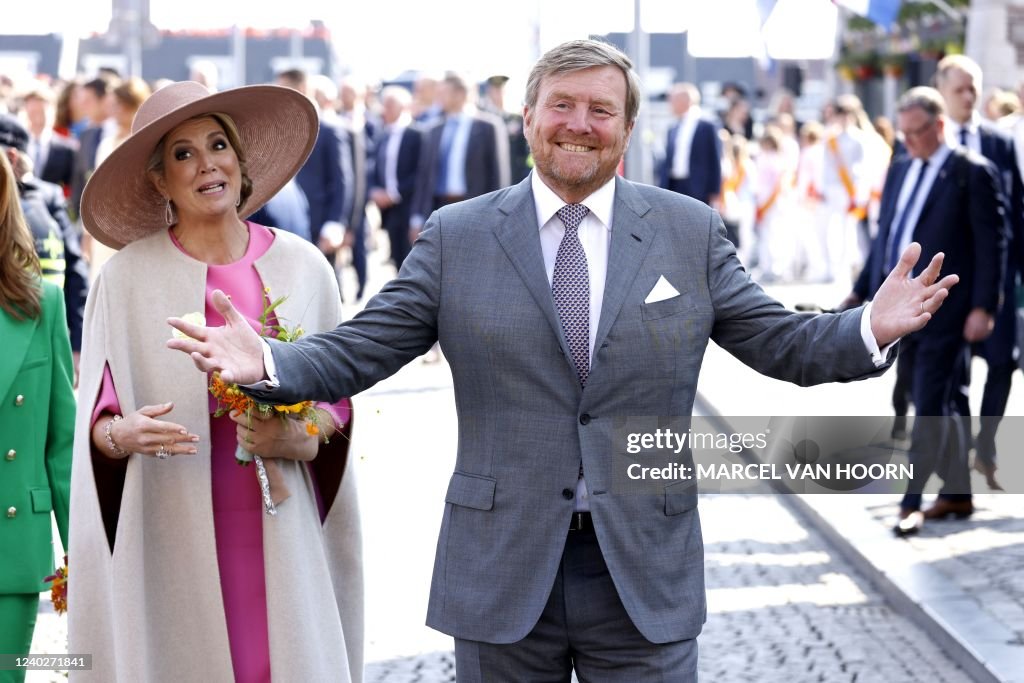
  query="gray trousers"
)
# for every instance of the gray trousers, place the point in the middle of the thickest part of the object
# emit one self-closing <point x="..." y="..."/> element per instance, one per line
<point x="584" y="627"/>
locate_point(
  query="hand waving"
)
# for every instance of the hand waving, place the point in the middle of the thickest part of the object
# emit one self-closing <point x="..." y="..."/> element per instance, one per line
<point x="235" y="350"/>
<point x="904" y="304"/>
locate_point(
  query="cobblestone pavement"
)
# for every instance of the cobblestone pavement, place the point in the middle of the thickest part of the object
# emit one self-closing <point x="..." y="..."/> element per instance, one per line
<point x="782" y="607"/>
<point x="983" y="555"/>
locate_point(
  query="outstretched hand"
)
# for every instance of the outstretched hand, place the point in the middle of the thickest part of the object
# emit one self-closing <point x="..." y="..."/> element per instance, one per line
<point x="235" y="350"/>
<point x="905" y="304"/>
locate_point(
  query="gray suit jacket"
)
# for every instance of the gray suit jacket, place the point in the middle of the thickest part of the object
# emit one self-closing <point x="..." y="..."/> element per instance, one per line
<point x="475" y="280"/>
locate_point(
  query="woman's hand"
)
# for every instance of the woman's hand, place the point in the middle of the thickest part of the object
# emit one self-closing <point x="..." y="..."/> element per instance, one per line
<point x="273" y="437"/>
<point x="141" y="432"/>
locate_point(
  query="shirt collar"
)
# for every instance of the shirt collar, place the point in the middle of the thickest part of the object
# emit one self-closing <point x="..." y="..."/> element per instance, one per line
<point x="693" y="113"/>
<point x="970" y="125"/>
<point x="548" y="203"/>
<point x="938" y="157"/>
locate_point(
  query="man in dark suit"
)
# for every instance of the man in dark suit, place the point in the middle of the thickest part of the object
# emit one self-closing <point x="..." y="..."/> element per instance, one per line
<point x="564" y="305"/>
<point x="94" y="100"/>
<point x="395" y="169"/>
<point x="53" y="155"/>
<point x="465" y="154"/>
<point x="958" y="78"/>
<point x="693" y="152"/>
<point x="326" y="178"/>
<point x="947" y="200"/>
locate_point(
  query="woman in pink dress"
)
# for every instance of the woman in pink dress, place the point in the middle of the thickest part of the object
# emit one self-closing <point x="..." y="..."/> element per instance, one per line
<point x="184" y="570"/>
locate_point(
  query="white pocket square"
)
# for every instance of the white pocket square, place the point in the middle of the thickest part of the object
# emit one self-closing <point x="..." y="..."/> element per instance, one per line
<point x="662" y="290"/>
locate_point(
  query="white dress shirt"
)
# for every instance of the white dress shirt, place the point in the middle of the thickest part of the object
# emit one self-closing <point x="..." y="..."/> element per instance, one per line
<point x="394" y="144"/>
<point x="935" y="163"/>
<point x="595" y="233"/>
<point x="684" y="142"/>
<point x="972" y="126"/>
<point x="39" y="150"/>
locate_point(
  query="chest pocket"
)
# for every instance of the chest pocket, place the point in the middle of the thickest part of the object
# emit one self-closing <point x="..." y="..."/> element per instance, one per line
<point x="665" y="308"/>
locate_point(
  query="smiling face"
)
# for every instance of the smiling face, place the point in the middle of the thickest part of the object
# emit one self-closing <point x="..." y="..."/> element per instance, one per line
<point x="578" y="130"/>
<point x="201" y="173"/>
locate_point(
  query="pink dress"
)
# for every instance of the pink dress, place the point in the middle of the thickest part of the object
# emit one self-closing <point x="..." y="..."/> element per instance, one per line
<point x="237" y="504"/>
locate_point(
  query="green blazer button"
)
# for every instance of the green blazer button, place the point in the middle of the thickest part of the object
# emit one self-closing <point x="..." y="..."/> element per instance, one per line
<point x="12" y="512"/>
<point x="19" y="399"/>
<point x="10" y="454"/>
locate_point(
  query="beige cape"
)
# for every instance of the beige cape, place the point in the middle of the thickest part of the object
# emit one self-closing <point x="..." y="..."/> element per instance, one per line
<point x="152" y="609"/>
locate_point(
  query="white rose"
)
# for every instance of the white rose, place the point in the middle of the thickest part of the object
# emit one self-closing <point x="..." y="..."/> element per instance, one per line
<point x="196" y="318"/>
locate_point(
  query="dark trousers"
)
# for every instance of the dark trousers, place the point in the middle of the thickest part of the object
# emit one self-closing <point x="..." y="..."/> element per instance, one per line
<point x="446" y="199"/>
<point x="396" y="222"/>
<point x="938" y="443"/>
<point x="993" y="406"/>
<point x="584" y="627"/>
<point x="359" y="255"/>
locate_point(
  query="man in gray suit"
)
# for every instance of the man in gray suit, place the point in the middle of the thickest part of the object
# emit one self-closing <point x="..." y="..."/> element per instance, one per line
<point x="563" y="304"/>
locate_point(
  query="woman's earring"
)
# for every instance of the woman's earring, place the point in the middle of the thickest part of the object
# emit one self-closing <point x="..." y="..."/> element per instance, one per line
<point x="169" y="216"/>
<point x="238" y="202"/>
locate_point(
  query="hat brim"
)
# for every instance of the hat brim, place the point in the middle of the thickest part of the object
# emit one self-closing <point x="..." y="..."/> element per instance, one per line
<point x="277" y="127"/>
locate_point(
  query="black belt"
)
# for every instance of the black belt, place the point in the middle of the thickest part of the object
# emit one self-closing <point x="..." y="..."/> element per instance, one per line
<point x="581" y="521"/>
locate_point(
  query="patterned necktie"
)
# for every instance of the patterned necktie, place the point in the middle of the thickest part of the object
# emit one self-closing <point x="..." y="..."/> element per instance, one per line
<point x="570" y="287"/>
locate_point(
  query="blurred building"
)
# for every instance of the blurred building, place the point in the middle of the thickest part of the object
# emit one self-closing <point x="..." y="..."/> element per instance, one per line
<point x="242" y="56"/>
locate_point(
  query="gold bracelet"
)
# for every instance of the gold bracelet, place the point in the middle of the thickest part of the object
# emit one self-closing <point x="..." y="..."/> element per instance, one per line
<point x="110" y="439"/>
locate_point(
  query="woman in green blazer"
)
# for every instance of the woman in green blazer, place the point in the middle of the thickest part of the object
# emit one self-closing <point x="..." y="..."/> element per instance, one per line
<point x="37" y="417"/>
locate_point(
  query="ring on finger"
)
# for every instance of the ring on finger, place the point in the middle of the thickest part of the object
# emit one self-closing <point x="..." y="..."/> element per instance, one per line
<point x="162" y="452"/>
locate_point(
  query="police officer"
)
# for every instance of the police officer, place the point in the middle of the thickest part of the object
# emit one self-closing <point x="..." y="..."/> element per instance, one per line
<point x="58" y="243"/>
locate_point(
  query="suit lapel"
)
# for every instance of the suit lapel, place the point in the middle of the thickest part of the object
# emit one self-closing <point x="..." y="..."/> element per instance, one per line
<point x="16" y="335"/>
<point x="519" y="236"/>
<point x="631" y="238"/>
<point x="937" y="189"/>
<point x="888" y="210"/>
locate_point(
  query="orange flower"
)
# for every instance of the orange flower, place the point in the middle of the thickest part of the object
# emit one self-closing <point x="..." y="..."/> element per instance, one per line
<point x="312" y="429"/>
<point x="59" y="589"/>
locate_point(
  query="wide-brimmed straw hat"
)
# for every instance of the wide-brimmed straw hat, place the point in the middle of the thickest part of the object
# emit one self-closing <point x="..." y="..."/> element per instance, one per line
<point x="277" y="127"/>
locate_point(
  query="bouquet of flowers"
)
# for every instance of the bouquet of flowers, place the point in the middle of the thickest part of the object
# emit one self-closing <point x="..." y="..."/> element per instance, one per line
<point x="59" y="588"/>
<point x="230" y="399"/>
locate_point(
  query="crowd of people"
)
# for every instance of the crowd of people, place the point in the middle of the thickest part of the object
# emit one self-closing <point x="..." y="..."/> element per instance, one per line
<point x="836" y="200"/>
<point x="229" y="214"/>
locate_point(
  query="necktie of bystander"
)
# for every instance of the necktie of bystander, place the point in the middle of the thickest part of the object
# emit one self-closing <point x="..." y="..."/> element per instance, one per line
<point x="901" y="224"/>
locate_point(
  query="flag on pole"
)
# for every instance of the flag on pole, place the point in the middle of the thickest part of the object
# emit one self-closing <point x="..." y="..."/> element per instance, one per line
<point x="882" y="12"/>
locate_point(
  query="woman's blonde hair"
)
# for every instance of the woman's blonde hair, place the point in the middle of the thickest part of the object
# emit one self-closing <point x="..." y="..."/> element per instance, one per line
<point x="19" y="265"/>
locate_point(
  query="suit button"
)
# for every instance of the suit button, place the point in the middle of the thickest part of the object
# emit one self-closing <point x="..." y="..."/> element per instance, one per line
<point x="12" y="512"/>
<point x="566" y="493"/>
<point x="19" y="399"/>
<point x="585" y="419"/>
<point x="10" y="454"/>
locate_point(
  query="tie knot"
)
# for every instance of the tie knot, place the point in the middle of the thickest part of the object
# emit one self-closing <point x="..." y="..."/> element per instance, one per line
<point x="572" y="215"/>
